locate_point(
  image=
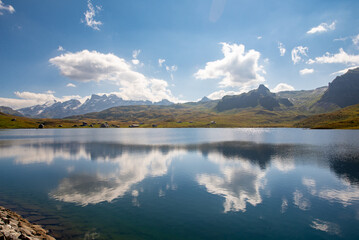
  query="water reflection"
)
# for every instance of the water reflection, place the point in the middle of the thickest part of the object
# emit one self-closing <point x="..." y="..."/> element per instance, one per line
<point x="239" y="182"/>
<point x="130" y="167"/>
<point x="241" y="175"/>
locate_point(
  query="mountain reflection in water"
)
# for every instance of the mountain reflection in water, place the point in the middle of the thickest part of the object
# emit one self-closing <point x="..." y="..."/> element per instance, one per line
<point x="241" y="175"/>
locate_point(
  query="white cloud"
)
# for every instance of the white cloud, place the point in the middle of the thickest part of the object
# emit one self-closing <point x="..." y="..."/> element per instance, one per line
<point x="281" y="48"/>
<point x="355" y="39"/>
<point x="160" y="62"/>
<point x="89" y="16"/>
<point x="7" y="8"/>
<point x="341" y="57"/>
<point x="237" y="69"/>
<point x="298" y="52"/>
<point x="135" y="54"/>
<point x="135" y="61"/>
<point x="259" y="37"/>
<point x="341" y="72"/>
<point x="282" y="87"/>
<point x="94" y="66"/>
<point x="221" y="93"/>
<point x="27" y="99"/>
<point x="323" y="27"/>
<point x="70" y="85"/>
<point x="60" y="49"/>
<point x="171" y="68"/>
<point x="306" y="71"/>
<point x="340" y="39"/>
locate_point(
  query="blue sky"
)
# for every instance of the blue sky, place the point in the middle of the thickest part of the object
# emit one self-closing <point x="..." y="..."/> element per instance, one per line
<point x="179" y="50"/>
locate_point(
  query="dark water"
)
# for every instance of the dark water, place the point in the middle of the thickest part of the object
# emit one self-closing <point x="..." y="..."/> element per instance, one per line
<point x="184" y="183"/>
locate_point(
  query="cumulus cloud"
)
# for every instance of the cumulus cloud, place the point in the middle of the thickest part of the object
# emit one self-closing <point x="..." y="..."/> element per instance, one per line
<point x="282" y="87"/>
<point x="70" y="85"/>
<point x="341" y="57"/>
<point x="323" y="27"/>
<point x="237" y="68"/>
<point x="86" y="66"/>
<point x="221" y="93"/>
<point x="27" y="99"/>
<point x="281" y="48"/>
<point x="160" y="62"/>
<point x="90" y="15"/>
<point x="6" y="8"/>
<point x="306" y="71"/>
<point x="298" y="52"/>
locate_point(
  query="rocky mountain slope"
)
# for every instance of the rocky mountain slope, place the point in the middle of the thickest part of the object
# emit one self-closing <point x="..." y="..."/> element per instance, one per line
<point x="8" y="110"/>
<point x="258" y="97"/>
<point x="343" y="91"/>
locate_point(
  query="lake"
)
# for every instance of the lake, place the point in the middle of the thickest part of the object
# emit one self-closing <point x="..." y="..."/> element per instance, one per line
<point x="184" y="183"/>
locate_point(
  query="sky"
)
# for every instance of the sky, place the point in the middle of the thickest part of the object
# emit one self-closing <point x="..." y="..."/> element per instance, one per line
<point x="169" y="49"/>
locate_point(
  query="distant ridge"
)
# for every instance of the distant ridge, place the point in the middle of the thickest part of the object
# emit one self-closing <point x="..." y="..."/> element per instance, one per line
<point x="10" y="111"/>
<point x="95" y="103"/>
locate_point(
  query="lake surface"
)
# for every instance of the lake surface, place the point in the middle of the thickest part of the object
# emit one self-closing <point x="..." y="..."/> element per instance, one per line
<point x="184" y="183"/>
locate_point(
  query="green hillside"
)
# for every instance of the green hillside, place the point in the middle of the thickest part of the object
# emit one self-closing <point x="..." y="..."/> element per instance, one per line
<point x="9" y="121"/>
<point x="346" y="118"/>
<point x="184" y="115"/>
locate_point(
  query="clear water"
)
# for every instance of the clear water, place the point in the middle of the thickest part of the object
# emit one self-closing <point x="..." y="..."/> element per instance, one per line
<point x="184" y="183"/>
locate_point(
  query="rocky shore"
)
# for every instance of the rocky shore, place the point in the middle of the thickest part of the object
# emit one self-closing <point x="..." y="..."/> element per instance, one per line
<point x="13" y="226"/>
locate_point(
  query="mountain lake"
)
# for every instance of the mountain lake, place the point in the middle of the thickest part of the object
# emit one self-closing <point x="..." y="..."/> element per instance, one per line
<point x="183" y="183"/>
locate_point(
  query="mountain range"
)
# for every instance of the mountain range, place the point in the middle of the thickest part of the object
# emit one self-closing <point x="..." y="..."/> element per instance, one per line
<point x="95" y="103"/>
<point x="343" y="91"/>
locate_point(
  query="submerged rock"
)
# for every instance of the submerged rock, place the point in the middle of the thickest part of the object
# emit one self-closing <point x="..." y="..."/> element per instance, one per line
<point x="13" y="226"/>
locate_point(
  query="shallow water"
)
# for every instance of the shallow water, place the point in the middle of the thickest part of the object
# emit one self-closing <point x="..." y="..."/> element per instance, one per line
<point x="184" y="183"/>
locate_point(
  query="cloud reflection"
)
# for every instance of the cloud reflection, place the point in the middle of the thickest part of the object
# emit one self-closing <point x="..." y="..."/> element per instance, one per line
<point x="239" y="183"/>
<point x="325" y="226"/>
<point x="130" y="168"/>
<point x="240" y="176"/>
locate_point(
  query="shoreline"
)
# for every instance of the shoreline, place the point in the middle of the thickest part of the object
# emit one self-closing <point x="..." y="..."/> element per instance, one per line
<point x="13" y="226"/>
